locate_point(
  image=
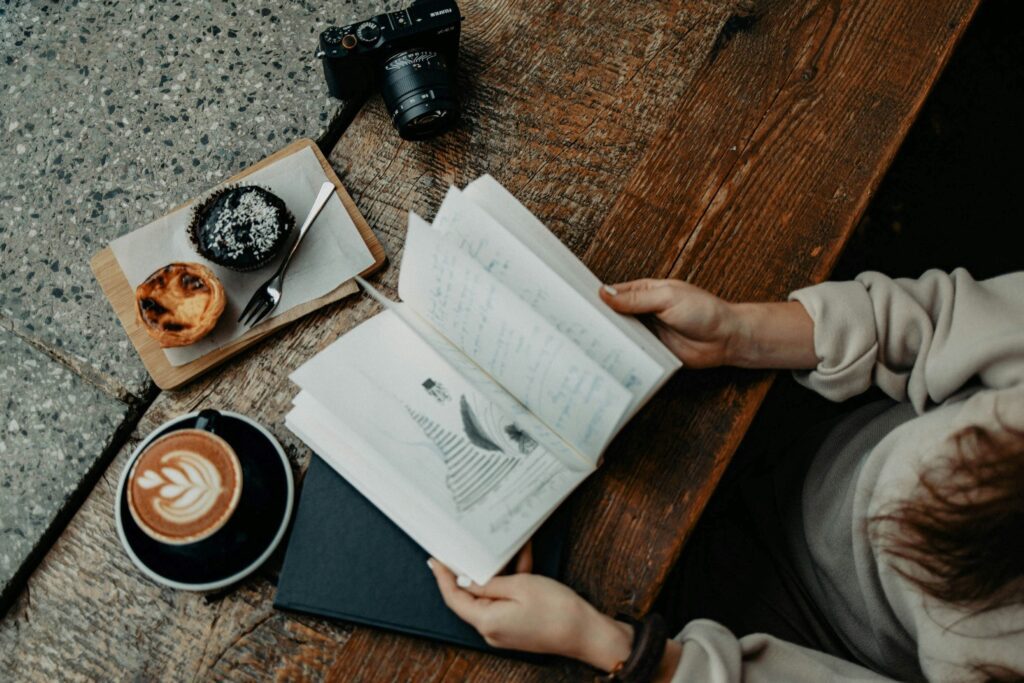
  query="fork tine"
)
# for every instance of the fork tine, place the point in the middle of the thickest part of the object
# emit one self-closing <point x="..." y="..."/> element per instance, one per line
<point x="258" y="313"/>
<point x="263" y="313"/>
<point x="254" y="302"/>
<point x="253" y="311"/>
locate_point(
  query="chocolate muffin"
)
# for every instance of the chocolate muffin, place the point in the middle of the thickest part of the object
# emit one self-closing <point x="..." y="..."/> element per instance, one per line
<point x="240" y="227"/>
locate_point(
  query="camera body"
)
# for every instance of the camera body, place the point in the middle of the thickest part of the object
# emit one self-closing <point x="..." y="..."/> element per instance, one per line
<point x="410" y="54"/>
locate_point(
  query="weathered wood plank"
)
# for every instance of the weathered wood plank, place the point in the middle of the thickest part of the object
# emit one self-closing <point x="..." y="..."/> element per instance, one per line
<point x="734" y="143"/>
<point x="769" y="214"/>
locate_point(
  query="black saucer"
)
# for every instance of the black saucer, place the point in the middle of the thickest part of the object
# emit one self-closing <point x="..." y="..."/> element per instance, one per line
<point x="250" y="535"/>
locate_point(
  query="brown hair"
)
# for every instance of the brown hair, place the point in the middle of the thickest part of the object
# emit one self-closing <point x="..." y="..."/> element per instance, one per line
<point x="960" y="534"/>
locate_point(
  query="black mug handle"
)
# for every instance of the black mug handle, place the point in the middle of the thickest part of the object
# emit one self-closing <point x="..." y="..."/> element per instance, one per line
<point x="207" y="420"/>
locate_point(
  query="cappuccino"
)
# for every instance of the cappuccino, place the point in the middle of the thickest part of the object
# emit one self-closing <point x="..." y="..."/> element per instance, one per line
<point x="184" y="486"/>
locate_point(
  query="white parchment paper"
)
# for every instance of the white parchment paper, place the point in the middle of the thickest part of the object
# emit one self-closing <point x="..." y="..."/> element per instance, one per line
<point x="332" y="252"/>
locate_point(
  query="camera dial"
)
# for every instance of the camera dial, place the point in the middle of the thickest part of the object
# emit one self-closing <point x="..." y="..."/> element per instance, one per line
<point x="368" y="32"/>
<point x="333" y="35"/>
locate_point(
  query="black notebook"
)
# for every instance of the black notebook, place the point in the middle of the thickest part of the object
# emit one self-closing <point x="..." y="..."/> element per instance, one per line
<point x="347" y="560"/>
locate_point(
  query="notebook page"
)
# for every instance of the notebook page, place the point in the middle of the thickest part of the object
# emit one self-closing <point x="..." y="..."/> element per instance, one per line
<point x="397" y="402"/>
<point x="435" y="533"/>
<point x="533" y="361"/>
<point x="488" y="194"/>
<point x="311" y="423"/>
<point x="482" y="382"/>
<point x="501" y="254"/>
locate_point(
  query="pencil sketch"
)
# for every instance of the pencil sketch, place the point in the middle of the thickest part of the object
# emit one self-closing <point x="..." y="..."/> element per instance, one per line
<point x="473" y="472"/>
<point x="474" y="431"/>
<point x="525" y="442"/>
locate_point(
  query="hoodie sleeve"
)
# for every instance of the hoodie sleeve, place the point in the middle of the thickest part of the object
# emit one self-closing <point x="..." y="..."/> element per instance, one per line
<point x="916" y="339"/>
<point x="712" y="653"/>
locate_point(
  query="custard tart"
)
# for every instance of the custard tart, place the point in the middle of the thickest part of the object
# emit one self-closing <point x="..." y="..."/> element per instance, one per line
<point x="180" y="303"/>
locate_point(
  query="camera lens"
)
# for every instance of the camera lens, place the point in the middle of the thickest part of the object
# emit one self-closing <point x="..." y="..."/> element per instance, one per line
<point x="418" y="92"/>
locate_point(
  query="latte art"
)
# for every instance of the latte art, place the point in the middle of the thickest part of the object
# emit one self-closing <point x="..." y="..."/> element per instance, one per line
<point x="185" y="486"/>
<point x="189" y="486"/>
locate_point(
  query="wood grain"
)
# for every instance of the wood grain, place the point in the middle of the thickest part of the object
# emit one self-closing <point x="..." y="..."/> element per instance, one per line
<point x="121" y="295"/>
<point x="733" y="143"/>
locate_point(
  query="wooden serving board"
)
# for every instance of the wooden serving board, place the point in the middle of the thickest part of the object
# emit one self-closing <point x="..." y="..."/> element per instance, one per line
<point x="122" y="296"/>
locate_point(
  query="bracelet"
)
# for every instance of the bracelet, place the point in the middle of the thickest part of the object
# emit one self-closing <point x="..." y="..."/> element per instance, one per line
<point x="649" y="638"/>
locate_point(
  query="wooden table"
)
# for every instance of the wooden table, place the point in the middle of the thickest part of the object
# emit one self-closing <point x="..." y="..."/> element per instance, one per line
<point x="734" y="144"/>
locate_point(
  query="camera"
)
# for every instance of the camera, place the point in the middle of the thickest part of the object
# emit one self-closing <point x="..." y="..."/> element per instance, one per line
<point x="409" y="54"/>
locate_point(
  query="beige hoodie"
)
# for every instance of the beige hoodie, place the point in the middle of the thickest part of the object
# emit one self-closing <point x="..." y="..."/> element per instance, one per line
<point x="925" y="341"/>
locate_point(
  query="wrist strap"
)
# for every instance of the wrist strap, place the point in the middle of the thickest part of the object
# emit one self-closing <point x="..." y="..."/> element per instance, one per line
<point x="649" y="638"/>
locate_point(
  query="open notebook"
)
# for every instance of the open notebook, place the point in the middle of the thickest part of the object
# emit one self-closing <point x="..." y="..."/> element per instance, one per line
<point x="470" y="410"/>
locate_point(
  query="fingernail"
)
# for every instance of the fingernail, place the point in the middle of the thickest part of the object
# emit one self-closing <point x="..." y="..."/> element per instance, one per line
<point x="611" y="290"/>
<point x="463" y="582"/>
<point x="430" y="563"/>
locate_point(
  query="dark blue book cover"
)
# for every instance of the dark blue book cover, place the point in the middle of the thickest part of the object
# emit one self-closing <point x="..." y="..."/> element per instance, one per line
<point x="346" y="560"/>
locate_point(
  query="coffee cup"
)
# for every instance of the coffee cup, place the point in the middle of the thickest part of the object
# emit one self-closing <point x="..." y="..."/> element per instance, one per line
<point x="227" y="546"/>
<point x="186" y="484"/>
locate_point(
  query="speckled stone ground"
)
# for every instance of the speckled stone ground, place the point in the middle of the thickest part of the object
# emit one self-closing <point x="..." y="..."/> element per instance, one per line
<point x="113" y="113"/>
<point x="54" y="426"/>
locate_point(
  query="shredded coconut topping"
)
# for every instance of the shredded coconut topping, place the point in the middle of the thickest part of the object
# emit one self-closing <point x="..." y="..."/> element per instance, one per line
<point x="252" y="223"/>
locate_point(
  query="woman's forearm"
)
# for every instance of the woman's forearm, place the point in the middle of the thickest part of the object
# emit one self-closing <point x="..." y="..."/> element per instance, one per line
<point x="606" y="641"/>
<point x="773" y="335"/>
<point x="602" y="641"/>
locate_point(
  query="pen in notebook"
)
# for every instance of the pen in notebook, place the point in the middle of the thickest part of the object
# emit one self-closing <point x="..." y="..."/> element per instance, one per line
<point x="404" y="315"/>
<point x="374" y="294"/>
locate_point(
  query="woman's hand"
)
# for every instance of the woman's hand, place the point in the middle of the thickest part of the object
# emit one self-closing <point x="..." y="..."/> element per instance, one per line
<point x="700" y="328"/>
<point x="536" y="614"/>
<point x="705" y="331"/>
